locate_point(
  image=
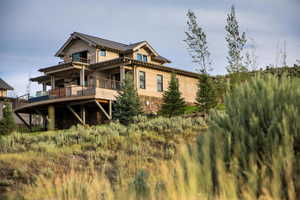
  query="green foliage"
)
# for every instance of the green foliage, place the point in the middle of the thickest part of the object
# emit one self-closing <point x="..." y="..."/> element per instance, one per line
<point x="190" y="109"/>
<point x="235" y="44"/>
<point x="206" y="94"/>
<point x="173" y="104"/>
<point x="197" y="43"/>
<point x="127" y="103"/>
<point x="7" y="124"/>
<point x="260" y="122"/>
<point x="141" y="186"/>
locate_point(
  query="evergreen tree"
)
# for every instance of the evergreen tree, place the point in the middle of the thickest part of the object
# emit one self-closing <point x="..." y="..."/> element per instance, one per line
<point x="198" y="48"/>
<point x="173" y="103"/>
<point x="7" y="124"/>
<point x="197" y="44"/>
<point x="235" y="43"/>
<point x="206" y="94"/>
<point x="127" y="104"/>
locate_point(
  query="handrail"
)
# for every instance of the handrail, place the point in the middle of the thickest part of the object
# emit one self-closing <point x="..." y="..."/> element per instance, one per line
<point x="68" y="91"/>
<point x="80" y="59"/>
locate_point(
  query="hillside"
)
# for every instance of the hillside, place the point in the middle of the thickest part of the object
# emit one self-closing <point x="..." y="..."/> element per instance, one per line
<point x="250" y="150"/>
<point x="113" y="150"/>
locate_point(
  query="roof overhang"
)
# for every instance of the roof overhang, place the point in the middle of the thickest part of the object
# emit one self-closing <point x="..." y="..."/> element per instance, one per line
<point x="129" y="61"/>
<point x="63" y="67"/>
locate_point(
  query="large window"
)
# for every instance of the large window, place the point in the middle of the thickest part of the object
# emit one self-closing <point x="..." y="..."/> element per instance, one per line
<point x="141" y="57"/>
<point x="80" y="57"/>
<point x="102" y="52"/>
<point x="142" y="80"/>
<point x="159" y="83"/>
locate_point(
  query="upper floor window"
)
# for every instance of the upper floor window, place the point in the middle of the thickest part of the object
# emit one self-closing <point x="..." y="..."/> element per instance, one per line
<point x="142" y="57"/>
<point x="159" y="83"/>
<point x="102" y="52"/>
<point x="139" y="57"/>
<point x="145" y="59"/>
<point x="142" y="80"/>
<point x="80" y="57"/>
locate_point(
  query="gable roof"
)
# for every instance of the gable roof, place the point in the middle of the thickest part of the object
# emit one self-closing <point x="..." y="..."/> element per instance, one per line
<point x="4" y="85"/>
<point x="104" y="43"/>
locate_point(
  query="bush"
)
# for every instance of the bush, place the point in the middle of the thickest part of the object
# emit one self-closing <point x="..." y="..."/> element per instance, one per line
<point x="259" y="123"/>
<point x="7" y="124"/>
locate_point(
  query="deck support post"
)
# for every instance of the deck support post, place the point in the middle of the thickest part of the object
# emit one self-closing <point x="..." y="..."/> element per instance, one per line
<point x="103" y="110"/>
<point x="30" y="122"/>
<point x="82" y="107"/>
<point x="23" y="120"/>
<point x="110" y="109"/>
<point x="51" y="117"/>
<point x="75" y="114"/>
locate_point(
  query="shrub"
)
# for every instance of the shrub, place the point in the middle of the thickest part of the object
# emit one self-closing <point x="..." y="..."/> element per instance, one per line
<point x="259" y="123"/>
<point x="7" y="124"/>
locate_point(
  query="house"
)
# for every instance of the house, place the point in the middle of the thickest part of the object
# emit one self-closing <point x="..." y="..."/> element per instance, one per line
<point x="5" y="98"/>
<point x="84" y="85"/>
<point x="4" y="87"/>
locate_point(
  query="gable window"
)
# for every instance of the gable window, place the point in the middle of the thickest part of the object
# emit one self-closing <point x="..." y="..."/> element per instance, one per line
<point x="144" y="58"/>
<point x="159" y="83"/>
<point x="102" y="52"/>
<point x="139" y="57"/>
<point x="142" y="80"/>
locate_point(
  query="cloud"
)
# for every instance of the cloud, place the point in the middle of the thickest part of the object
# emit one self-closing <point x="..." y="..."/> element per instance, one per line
<point x="33" y="30"/>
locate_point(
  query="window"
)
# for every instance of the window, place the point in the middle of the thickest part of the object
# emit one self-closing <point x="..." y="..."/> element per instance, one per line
<point x="144" y="58"/>
<point x="80" y="56"/>
<point x="102" y="52"/>
<point x="142" y="78"/>
<point x="159" y="82"/>
<point x="139" y="57"/>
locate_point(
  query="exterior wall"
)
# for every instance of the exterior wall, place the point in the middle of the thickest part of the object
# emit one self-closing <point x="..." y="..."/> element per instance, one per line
<point x="78" y="46"/>
<point x="109" y="55"/>
<point x="3" y="93"/>
<point x="187" y="85"/>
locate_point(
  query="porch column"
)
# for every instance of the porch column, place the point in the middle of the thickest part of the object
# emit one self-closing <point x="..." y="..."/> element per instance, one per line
<point x="122" y="73"/>
<point x="135" y="76"/>
<point x="82" y="76"/>
<point x="51" y="117"/>
<point x="52" y="82"/>
<point x="44" y="87"/>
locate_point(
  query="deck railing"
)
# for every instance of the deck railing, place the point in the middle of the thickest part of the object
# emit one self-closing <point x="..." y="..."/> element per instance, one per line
<point x="73" y="90"/>
<point x="81" y="60"/>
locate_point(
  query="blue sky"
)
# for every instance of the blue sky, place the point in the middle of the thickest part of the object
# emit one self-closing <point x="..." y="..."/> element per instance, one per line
<point x="33" y="30"/>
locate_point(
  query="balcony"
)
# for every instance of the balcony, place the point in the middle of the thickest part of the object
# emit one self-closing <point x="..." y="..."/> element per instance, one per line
<point x="76" y="59"/>
<point x="105" y="89"/>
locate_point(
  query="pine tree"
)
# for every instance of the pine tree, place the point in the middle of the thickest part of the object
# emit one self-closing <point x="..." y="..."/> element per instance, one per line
<point x="127" y="104"/>
<point x="206" y="94"/>
<point x="198" y="48"/>
<point x="235" y="44"/>
<point x="173" y="103"/>
<point x="197" y="43"/>
<point x="7" y="124"/>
